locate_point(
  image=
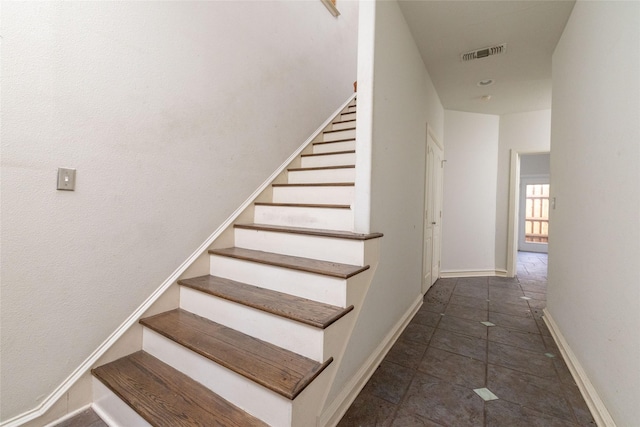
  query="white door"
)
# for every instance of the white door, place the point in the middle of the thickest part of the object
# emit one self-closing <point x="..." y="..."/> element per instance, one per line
<point x="432" y="213"/>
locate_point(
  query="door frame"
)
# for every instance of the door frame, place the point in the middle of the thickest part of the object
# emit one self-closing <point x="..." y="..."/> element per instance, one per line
<point x="427" y="193"/>
<point x="514" y="209"/>
<point x="522" y="244"/>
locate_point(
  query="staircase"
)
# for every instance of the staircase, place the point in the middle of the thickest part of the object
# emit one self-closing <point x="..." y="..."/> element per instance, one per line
<point x="259" y="340"/>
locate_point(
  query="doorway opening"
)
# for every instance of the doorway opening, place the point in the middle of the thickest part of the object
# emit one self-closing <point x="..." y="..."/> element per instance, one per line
<point x="528" y="206"/>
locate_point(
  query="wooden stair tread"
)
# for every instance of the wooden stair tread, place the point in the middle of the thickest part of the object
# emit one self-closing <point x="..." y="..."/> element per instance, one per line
<point x="326" y="268"/>
<point x="303" y="205"/>
<point x="310" y="231"/>
<point x="165" y="397"/>
<point x="321" y="168"/>
<point x="333" y="142"/>
<point x="316" y="184"/>
<point x="344" y="121"/>
<point x="312" y="313"/>
<point x="339" y="130"/>
<point x="275" y="368"/>
<point x="329" y="154"/>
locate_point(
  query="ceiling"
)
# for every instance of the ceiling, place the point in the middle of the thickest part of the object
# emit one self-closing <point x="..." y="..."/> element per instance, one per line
<point x="443" y="30"/>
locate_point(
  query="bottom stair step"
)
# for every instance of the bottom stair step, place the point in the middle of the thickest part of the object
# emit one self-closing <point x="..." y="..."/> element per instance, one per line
<point x="164" y="396"/>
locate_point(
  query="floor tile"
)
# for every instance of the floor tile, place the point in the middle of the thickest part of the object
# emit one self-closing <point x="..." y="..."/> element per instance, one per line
<point x="470" y="313"/>
<point x="417" y="333"/>
<point x="368" y="410"/>
<point x="389" y="382"/>
<point x="454" y="368"/>
<point x="434" y="307"/>
<point x="406" y="353"/>
<point x="513" y="337"/>
<point x="467" y="301"/>
<point x="580" y="408"/>
<point x="411" y="420"/>
<point x="463" y="326"/>
<point x="460" y="344"/>
<point x="471" y="290"/>
<point x="517" y="309"/>
<point x="426" y="317"/>
<point x="532" y="362"/>
<point x="526" y="324"/>
<point x="441" y="402"/>
<point x="541" y="394"/>
<point x="501" y="413"/>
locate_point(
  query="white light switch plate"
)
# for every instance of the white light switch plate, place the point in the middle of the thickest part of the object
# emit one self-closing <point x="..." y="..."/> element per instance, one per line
<point x="66" y="179"/>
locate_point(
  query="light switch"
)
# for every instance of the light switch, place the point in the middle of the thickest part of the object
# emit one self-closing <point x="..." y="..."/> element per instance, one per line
<point x="66" y="179"/>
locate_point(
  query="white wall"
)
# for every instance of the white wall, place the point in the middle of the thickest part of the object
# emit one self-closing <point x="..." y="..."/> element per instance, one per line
<point x="469" y="208"/>
<point x="594" y="252"/>
<point x="404" y="101"/>
<point x="523" y="132"/>
<point x="535" y="164"/>
<point x="172" y="113"/>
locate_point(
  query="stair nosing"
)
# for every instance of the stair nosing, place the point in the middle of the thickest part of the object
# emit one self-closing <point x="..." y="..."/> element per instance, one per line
<point x="333" y="142"/>
<point x="343" y="121"/>
<point x="339" y="130"/>
<point x="316" y="184"/>
<point x="303" y="205"/>
<point x="321" y="168"/>
<point x="261" y="303"/>
<point x="329" y="154"/>
<point x="291" y="393"/>
<point x="292" y="262"/>
<point x="347" y="235"/>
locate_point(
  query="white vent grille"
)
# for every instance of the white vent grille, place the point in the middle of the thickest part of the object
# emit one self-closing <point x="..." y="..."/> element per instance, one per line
<point x="484" y="52"/>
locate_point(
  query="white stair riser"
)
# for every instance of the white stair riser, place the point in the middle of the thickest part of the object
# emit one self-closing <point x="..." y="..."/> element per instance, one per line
<point x="328" y="160"/>
<point x="247" y="395"/>
<point x="288" y="334"/>
<point x="338" y="195"/>
<point x="351" y="109"/>
<point x="308" y="217"/>
<point x="320" y="176"/>
<point x="330" y="290"/>
<point x="335" y="136"/>
<point x="342" y="125"/>
<point x="113" y="410"/>
<point x="333" y="147"/>
<point x="347" y="116"/>
<point x="343" y="251"/>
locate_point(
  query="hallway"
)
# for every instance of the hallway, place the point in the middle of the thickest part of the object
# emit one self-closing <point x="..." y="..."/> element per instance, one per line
<point x="429" y="376"/>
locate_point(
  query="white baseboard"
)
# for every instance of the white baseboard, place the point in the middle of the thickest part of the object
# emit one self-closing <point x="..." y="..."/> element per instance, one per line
<point x="472" y="273"/>
<point x="64" y="387"/>
<point x="596" y="405"/>
<point x="336" y="410"/>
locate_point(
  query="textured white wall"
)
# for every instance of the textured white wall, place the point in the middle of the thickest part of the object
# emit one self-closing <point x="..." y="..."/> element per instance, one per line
<point x="404" y="101"/>
<point x="535" y="164"/>
<point x="469" y="209"/>
<point x="594" y="250"/>
<point x="529" y="131"/>
<point x="172" y="113"/>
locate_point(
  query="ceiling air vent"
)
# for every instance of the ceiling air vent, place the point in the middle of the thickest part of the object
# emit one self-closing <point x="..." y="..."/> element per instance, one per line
<point x="484" y="52"/>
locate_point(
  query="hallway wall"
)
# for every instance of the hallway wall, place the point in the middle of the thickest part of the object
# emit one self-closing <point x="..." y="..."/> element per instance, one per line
<point x="469" y="208"/>
<point x="594" y="279"/>
<point x="173" y="114"/>
<point x="405" y="100"/>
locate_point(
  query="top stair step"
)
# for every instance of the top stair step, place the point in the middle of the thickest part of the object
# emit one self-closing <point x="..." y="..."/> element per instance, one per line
<point x="326" y="268"/>
<point x="279" y="370"/>
<point x="165" y="397"/>
<point x="302" y="310"/>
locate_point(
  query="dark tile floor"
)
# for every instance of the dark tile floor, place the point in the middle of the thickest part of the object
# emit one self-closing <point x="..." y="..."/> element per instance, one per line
<point x="429" y="376"/>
